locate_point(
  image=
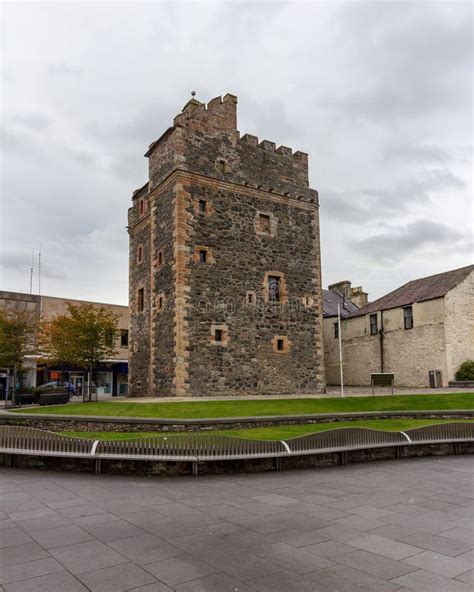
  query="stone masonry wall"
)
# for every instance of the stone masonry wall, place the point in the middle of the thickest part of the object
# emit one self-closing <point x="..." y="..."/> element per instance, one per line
<point x="459" y="325"/>
<point x="410" y="354"/>
<point x="248" y="362"/>
<point x="139" y="277"/>
<point x="203" y="157"/>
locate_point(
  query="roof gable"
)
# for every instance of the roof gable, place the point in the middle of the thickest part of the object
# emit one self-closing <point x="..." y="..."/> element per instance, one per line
<point x="429" y="288"/>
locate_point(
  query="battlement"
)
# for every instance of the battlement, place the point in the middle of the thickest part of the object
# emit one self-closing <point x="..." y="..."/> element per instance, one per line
<point x="271" y="147"/>
<point x="204" y="139"/>
<point x="219" y="114"/>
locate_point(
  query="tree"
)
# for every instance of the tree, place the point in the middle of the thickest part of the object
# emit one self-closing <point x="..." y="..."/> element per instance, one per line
<point x="18" y="338"/>
<point x="84" y="336"/>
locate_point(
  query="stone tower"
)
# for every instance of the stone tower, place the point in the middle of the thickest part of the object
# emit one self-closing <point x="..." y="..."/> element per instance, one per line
<point x="225" y="288"/>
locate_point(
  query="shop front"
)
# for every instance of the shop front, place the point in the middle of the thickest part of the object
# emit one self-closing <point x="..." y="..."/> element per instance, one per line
<point x="108" y="378"/>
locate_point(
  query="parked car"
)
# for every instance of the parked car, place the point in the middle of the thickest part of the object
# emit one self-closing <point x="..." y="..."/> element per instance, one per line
<point x="71" y="389"/>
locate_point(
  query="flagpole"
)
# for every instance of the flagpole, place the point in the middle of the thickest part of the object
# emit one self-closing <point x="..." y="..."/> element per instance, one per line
<point x="31" y="271"/>
<point x="339" y="333"/>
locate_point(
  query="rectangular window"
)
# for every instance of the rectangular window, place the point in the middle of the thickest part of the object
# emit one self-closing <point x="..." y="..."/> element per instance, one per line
<point x="160" y="302"/>
<point x="336" y="330"/>
<point x="374" y="328"/>
<point x="141" y="299"/>
<point x="124" y="338"/>
<point x="140" y="254"/>
<point x="202" y="206"/>
<point x="218" y="334"/>
<point x="408" y="317"/>
<point x="202" y="256"/>
<point x="280" y="344"/>
<point x="160" y="258"/>
<point x="274" y="288"/>
<point x="264" y="223"/>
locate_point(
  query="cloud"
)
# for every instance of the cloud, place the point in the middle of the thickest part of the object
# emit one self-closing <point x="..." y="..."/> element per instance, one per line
<point x="376" y="203"/>
<point x="31" y="121"/>
<point x="378" y="93"/>
<point x="397" y="242"/>
<point x="418" y="153"/>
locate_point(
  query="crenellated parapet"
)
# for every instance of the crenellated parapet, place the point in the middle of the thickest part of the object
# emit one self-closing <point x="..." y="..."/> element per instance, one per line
<point x="204" y="139"/>
<point x="218" y="115"/>
<point x="269" y="146"/>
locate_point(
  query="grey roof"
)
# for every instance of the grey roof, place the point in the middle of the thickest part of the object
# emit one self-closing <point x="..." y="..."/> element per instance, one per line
<point x="330" y="302"/>
<point x="428" y="288"/>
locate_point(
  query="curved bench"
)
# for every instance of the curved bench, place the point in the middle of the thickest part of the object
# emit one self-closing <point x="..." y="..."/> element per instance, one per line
<point x="198" y="448"/>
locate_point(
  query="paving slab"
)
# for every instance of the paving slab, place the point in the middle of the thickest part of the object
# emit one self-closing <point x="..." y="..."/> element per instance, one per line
<point x="376" y="527"/>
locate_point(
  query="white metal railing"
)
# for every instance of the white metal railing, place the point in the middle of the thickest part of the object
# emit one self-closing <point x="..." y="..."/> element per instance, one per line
<point x="17" y="440"/>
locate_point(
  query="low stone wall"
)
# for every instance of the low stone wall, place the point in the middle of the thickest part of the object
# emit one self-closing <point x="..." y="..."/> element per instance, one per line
<point x="154" y="468"/>
<point x="59" y="423"/>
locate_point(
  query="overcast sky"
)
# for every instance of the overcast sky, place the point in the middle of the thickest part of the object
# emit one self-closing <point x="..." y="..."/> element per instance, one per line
<point x="378" y="93"/>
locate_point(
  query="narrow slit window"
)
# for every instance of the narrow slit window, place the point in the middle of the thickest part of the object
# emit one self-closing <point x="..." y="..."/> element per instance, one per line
<point x="336" y="330"/>
<point x="202" y="256"/>
<point x="203" y="206"/>
<point x="218" y="335"/>
<point x="408" y="317"/>
<point x="280" y="344"/>
<point x="141" y="299"/>
<point x="160" y="258"/>
<point x="140" y="254"/>
<point x="141" y="207"/>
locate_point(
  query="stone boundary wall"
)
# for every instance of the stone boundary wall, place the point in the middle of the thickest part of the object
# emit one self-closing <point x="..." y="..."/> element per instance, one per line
<point x="153" y="468"/>
<point x="60" y="423"/>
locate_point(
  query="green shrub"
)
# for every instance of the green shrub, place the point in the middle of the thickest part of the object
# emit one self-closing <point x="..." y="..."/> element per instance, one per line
<point x="466" y="371"/>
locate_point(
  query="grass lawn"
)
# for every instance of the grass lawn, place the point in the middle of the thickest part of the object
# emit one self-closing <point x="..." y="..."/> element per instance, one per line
<point x="274" y="432"/>
<point x="210" y="409"/>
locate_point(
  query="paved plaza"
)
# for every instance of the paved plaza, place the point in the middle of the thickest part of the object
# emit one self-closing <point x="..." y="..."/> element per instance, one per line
<point x="380" y="527"/>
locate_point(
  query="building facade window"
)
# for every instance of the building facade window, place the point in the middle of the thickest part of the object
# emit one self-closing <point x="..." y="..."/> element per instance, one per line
<point x="203" y="254"/>
<point x="281" y="344"/>
<point x="219" y="334"/>
<point x="374" y="327"/>
<point x="251" y="298"/>
<point x="274" y="288"/>
<point x="160" y="259"/>
<point x="408" y="317"/>
<point x="264" y="223"/>
<point x="140" y="254"/>
<point x="141" y="207"/>
<point x="124" y="338"/>
<point x="160" y="302"/>
<point x="202" y="206"/>
<point x="336" y="330"/>
<point x="141" y="299"/>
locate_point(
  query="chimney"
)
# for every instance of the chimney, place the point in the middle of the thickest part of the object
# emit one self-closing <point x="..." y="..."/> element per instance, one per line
<point x="343" y="288"/>
<point x="359" y="297"/>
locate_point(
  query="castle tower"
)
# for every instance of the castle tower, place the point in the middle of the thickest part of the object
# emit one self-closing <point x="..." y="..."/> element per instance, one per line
<point x="225" y="287"/>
